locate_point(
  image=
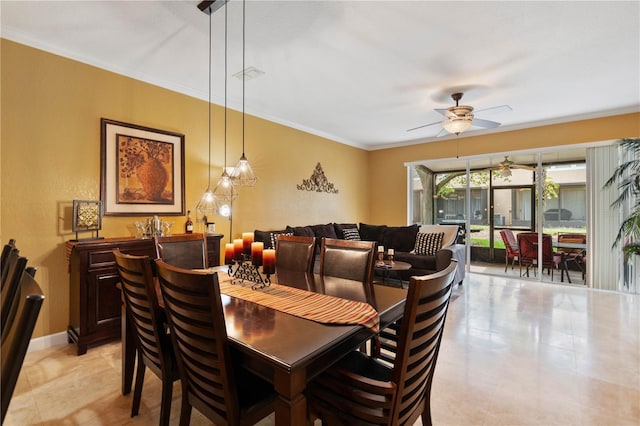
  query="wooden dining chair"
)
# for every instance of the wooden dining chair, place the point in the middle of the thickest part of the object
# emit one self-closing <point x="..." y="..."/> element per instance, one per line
<point x="210" y="381"/>
<point x="295" y="253"/>
<point x="15" y="341"/>
<point x="347" y="259"/>
<point x="187" y="251"/>
<point x="360" y="389"/>
<point x="153" y="344"/>
<point x="512" y="251"/>
<point x="5" y="254"/>
<point x="11" y="278"/>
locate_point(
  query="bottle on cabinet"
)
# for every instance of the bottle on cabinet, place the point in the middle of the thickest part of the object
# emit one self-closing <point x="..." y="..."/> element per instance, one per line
<point x="188" y="226"/>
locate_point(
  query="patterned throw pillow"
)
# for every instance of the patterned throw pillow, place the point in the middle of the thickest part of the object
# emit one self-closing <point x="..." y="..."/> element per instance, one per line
<point x="274" y="237"/>
<point x="429" y="244"/>
<point x="351" y="234"/>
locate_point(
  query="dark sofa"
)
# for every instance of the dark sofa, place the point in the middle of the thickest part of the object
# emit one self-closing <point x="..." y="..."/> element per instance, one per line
<point x="400" y="238"/>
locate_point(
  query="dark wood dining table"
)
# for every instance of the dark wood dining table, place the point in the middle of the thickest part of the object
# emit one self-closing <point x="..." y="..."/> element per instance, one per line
<point x="287" y="350"/>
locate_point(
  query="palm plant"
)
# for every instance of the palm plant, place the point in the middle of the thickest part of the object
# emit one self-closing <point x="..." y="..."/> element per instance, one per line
<point x="627" y="177"/>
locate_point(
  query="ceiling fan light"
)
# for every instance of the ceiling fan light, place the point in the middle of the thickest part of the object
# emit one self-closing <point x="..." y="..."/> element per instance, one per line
<point x="457" y="125"/>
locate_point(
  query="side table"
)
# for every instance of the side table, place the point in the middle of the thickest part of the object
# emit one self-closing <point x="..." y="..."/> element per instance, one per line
<point x="387" y="266"/>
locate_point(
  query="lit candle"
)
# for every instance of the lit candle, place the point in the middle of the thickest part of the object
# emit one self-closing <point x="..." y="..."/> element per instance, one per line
<point x="228" y="253"/>
<point x="247" y="239"/>
<point x="390" y="252"/>
<point x="237" y="249"/>
<point x="256" y="253"/>
<point x="269" y="261"/>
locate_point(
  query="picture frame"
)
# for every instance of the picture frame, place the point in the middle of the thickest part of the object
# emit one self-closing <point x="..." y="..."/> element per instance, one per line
<point x="87" y="217"/>
<point x="142" y="170"/>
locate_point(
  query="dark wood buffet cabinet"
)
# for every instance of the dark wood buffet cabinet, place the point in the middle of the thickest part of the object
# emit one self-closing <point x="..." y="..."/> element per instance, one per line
<point x="95" y="300"/>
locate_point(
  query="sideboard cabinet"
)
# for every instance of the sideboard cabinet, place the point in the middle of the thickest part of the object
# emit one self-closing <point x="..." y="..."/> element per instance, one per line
<point x="95" y="304"/>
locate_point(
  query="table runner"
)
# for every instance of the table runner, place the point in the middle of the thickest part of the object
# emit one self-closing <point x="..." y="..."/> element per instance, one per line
<point x="305" y="304"/>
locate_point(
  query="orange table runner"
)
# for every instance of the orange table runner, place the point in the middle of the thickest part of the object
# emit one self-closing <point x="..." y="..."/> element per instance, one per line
<point x="305" y="304"/>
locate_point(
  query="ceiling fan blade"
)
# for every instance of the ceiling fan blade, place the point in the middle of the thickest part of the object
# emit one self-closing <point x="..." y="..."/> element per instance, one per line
<point x="501" y="108"/>
<point x="442" y="133"/>
<point x="485" y="123"/>
<point x="424" y="125"/>
<point x="442" y="111"/>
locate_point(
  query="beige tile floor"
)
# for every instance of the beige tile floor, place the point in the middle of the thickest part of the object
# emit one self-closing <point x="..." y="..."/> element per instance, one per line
<point x="514" y="353"/>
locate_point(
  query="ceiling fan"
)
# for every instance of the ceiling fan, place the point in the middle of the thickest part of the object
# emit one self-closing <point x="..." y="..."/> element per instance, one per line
<point x="460" y="118"/>
<point x="505" y="166"/>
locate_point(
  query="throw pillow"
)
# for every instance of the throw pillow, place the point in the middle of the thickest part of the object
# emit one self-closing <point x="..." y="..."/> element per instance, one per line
<point x="400" y="238"/>
<point x="351" y="234"/>
<point x="339" y="227"/>
<point x="324" y="231"/>
<point x="372" y="232"/>
<point x="428" y="244"/>
<point x="274" y="237"/>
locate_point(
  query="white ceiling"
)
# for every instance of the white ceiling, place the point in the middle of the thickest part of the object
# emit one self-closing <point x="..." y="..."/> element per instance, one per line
<point x="362" y="72"/>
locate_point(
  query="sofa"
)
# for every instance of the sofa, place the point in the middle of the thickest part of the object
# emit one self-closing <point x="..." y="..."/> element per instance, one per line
<point x="427" y="248"/>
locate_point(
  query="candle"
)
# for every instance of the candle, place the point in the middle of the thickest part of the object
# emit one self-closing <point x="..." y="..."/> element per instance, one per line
<point x="256" y="253"/>
<point x="247" y="239"/>
<point x="390" y="252"/>
<point x="228" y="253"/>
<point x="380" y="249"/>
<point x="237" y="249"/>
<point x="269" y="261"/>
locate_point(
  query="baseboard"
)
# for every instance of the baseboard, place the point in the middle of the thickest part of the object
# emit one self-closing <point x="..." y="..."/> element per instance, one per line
<point x="46" y="342"/>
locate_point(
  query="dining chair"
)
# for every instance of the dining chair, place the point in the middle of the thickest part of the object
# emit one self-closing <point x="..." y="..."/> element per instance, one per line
<point x="210" y="381"/>
<point x="15" y="341"/>
<point x="295" y="253"/>
<point x="575" y="255"/>
<point x="187" y="251"/>
<point x="512" y="251"/>
<point x="528" y="246"/>
<point x="5" y="254"/>
<point x="360" y="389"/>
<point x="349" y="259"/>
<point x="153" y="344"/>
<point x="11" y="278"/>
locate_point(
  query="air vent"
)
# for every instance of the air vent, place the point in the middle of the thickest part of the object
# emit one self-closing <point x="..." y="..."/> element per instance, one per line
<point x="248" y="73"/>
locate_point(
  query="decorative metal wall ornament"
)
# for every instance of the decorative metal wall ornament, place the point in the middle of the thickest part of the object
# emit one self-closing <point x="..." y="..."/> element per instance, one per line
<point x="318" y="182"/>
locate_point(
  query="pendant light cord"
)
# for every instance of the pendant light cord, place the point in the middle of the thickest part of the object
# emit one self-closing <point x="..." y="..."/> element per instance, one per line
<point x="210" y="37"/>
<point x="225" y="88"/>
<point x="244" y="77"/>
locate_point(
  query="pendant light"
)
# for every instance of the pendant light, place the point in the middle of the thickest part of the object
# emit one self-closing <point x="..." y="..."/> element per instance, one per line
<point x="225" y="191"/>
<point x="207" y="205"/>
<point x="243" y="172"/>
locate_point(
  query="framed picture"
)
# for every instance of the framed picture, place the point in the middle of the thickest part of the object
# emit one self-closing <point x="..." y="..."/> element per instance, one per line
<point x="142" y="170"/>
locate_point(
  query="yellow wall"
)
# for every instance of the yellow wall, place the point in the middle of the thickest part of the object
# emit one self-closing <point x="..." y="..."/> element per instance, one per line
<point x="50" y="155"/>
<point x="50" y="135"/>
<point x="388" y="175"/>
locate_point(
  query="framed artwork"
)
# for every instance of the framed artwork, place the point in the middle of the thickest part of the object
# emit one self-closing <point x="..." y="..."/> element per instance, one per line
<point x="142" y="170"/>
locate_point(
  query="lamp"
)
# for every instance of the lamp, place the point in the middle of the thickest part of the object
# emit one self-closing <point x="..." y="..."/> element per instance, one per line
<point x="243" y="174"/>
<point x="225" y="191"/>
<point x="206" y="207"/>
<point x="457" y="125"/>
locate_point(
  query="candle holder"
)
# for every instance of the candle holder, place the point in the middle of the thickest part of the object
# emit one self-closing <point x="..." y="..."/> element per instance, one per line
<point x="243" y="269"/>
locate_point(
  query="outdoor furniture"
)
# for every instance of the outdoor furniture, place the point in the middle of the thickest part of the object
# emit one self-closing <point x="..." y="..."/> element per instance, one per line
<point x="528" y="246"/>
<point x="511" y="248"/>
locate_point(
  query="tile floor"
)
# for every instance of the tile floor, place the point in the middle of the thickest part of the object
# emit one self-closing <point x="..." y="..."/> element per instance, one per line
<point x="514" y="352"/>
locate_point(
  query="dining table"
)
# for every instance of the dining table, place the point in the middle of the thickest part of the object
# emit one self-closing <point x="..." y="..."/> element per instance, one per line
<point x="289" y="350"/>
<point x="563" y="262"/>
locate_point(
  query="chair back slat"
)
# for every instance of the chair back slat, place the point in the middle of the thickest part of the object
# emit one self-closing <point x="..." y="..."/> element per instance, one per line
<point x="12" y="276"/>
<point x="347" y="259"/>
<point x="16" y="339"/>
<point x="295" y="253"/>
<point x="5" y="254"/>
<point x="188" y="251"/>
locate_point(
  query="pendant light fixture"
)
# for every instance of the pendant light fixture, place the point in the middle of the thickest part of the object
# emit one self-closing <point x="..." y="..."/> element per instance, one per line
<point x="243" y="174"/>
<point x="207" y="205"/>
<point x="225" y="191"/>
